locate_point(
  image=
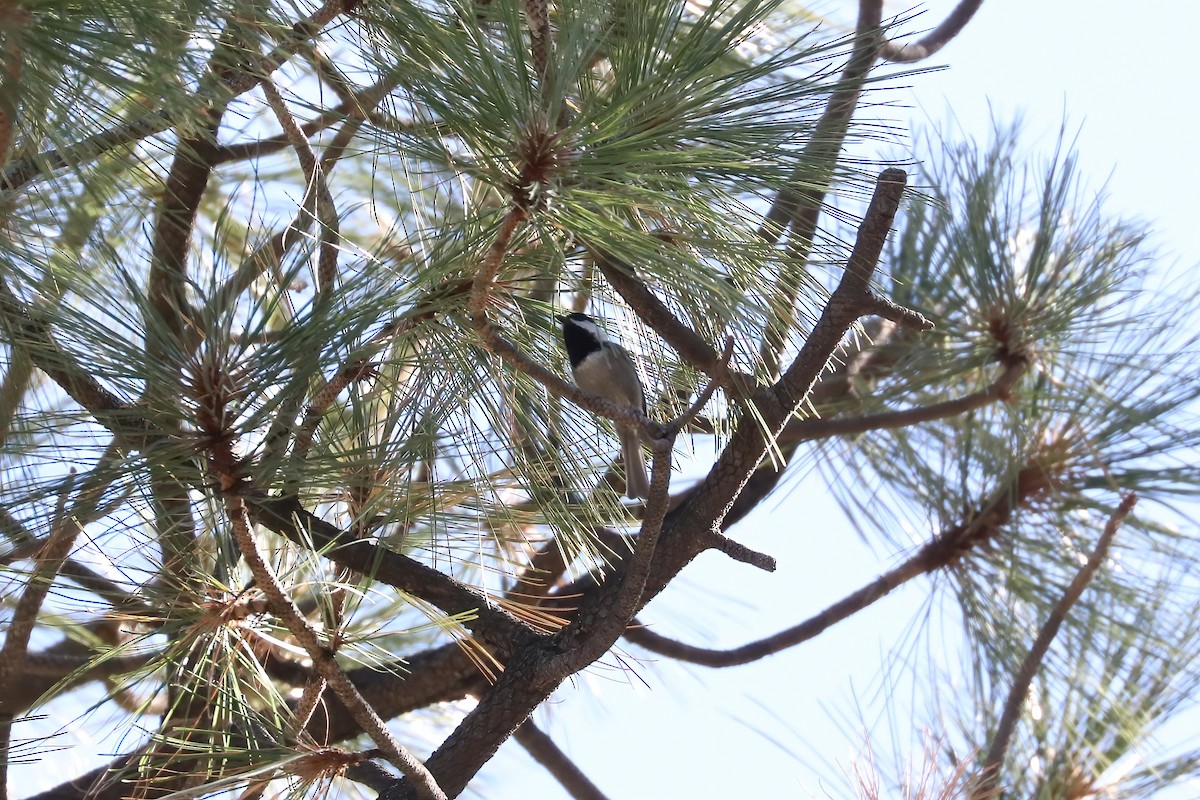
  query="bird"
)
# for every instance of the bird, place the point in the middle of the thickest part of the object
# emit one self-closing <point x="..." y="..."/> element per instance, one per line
<point x="604" y="368"/>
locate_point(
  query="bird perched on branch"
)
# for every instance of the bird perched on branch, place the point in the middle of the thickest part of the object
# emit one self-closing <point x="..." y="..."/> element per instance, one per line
<point x="606" y="369"/>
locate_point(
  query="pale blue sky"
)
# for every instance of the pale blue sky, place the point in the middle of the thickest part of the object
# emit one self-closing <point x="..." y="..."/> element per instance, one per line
<point x="1116" y="73"/>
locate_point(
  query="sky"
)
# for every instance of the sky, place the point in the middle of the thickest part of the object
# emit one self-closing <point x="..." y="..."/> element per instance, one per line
<point x="1115" y="73"/>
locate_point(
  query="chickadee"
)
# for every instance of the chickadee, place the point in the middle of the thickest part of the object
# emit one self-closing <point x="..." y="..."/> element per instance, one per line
<point x="605" y="369"/>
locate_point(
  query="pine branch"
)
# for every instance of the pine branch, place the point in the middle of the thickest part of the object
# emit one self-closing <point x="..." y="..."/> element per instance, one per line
<point x="1000" y="389"/>
<point x="987" y="784"/>
<point x="24" y="616"/>
<point x="799" y="210"/>
<point x="32" y="335"/>
<point x="936" y="39"/>
<point x="543" y="749"/>
<point x="288" y="518"/>
<point x="322" y="658"/>
<point x="318" y="202"/>
<point x="232" y="84"/>
<point x="536" y="670"/>
<point x="357" y="108"/>
<point x="983" y="525"/>
<point x="655" y="313"/>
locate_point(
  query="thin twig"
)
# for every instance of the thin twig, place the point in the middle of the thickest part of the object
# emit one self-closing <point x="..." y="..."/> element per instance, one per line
<point x="740" y="552"/>
<point x="318" y="201"/>
<point x="989" y="776"/>
<point x="231" y="85"/>
<point x="800" y="209"/>
<point x="637" y="572"/>
<point x="323" y="398"/>
<point x="948" y="547"/>
<point x="314" y="693"/>
<point x="814" y="626"/>
<point x="269" y="255"/>
<point x="358" y="108"/>
<point x="24" y="616"/>
<point x="544" y="751"/>
<point x="13" y="19"/>
<point x="329" y="73"/>
<point x="685" y="419"/>
<point x="936" y="39"/>
<point x="537" y="17"/>
<point x="323" y="660"/>
<point x="25" y="544"/>
<point x="25" y="330"/>
<point x="485" y="278"/>
<point x="1000" y="389"/>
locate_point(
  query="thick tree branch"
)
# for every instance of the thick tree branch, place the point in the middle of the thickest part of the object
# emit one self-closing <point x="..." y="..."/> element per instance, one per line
<point x="442" y="674"/>
<point x="16" y="641"/>
<point x="438" y="675"/>
<point x="535" y="671"/>
<point x="491" y="624"/>
<point x="852" y="298"/>
<point x="713" y="497"/>
<point x="168" y="318"/>
<point x="66" y="665"/>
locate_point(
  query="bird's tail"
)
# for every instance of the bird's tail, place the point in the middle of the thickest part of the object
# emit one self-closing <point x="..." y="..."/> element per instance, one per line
<point x="637" y="484"/>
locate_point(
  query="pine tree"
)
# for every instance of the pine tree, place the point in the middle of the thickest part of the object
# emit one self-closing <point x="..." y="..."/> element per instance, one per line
<point x="290" y="460"/>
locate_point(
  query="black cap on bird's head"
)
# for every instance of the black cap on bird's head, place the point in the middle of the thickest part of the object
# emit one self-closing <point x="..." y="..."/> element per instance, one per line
<point x="581" y="335"/>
